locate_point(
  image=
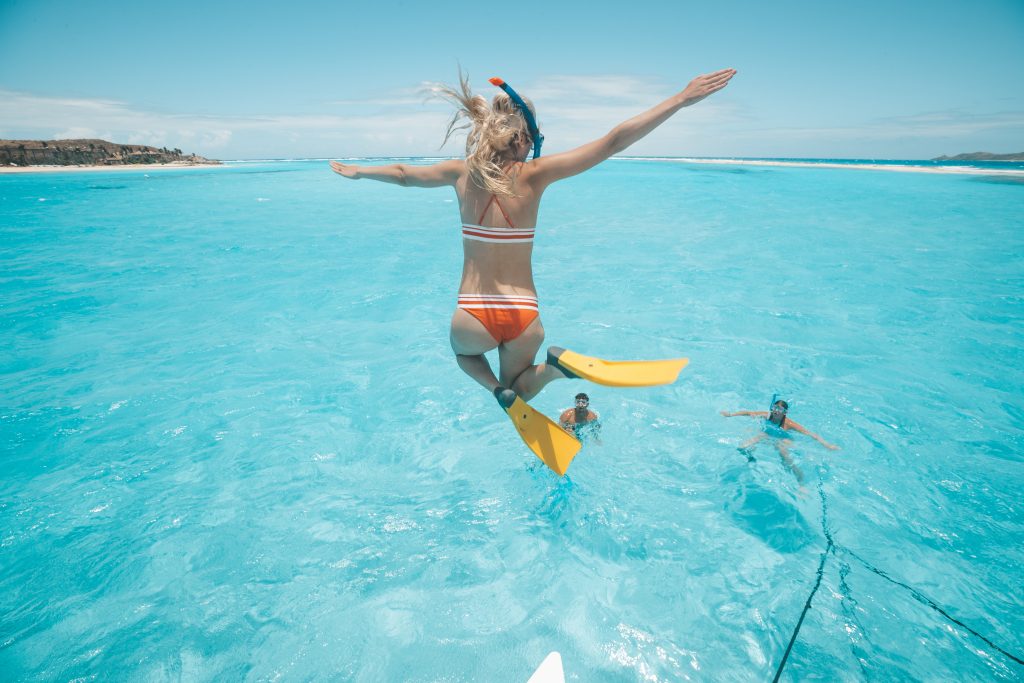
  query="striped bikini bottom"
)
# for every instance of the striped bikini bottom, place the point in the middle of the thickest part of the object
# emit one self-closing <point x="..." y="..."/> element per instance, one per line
<point x="504" y="316"/>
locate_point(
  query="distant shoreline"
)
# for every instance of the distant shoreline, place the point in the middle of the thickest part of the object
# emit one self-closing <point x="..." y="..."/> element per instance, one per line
<point x="962" y="170"/>
<point x="103" y="167"/>
<point x="907" y="167"/>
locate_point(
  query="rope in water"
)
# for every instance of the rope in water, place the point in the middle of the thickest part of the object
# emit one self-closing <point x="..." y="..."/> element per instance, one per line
<point x="807" y="606"/>
<point x="925" y="600"/>
<point x="832" y="547"/>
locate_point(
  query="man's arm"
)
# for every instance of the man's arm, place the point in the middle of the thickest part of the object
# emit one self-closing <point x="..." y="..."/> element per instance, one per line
<point x="406" y="175"/>
<point x="564" y="420"/>
<point x="750" y="413"/>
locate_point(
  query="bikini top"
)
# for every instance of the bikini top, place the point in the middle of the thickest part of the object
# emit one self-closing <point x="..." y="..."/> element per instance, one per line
<point x="483" y="233"/>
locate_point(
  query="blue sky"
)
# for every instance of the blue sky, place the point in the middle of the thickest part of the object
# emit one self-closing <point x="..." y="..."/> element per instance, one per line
<point x="233" y="80"/>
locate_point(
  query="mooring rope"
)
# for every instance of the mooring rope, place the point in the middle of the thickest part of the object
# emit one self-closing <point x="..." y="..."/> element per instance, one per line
<point x="832" y="547"/>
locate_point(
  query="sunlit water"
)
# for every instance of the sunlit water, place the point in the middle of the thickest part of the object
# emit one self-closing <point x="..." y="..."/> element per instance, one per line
<point x="235" y="444"/>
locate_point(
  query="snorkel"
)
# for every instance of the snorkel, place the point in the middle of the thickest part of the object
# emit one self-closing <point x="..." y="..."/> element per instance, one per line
<point x="531" y="123"/>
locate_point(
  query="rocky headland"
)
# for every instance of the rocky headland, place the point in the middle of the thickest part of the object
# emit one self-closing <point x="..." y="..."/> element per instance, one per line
<point x="90" y="153"/>
<point x="982" y="156"/>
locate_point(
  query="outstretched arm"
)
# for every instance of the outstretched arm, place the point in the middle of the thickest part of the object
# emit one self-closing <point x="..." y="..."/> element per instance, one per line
<point x="435" y="175"/>
<point x="751" y="413"/>
<point x="803" y="430"/>
<point x="558" y="166"/>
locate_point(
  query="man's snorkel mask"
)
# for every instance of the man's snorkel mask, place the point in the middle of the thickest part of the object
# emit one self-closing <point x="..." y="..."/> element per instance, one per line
<point x="531" y="123"/>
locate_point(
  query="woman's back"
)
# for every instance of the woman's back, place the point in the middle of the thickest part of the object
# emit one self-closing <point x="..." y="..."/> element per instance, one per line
<point x="498" y="234"/>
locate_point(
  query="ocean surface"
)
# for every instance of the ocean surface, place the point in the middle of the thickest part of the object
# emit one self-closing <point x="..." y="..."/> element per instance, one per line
<point x="948" y="164"/>
<point x="235" y="445"/>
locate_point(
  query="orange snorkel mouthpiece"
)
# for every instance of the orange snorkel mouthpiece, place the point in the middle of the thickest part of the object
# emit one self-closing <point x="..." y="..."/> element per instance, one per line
<point x="531" y="123"/>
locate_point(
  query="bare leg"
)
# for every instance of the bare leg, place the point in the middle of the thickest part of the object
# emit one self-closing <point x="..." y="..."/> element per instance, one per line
<point x="783" y="448"/>
<point x="517" y="355"/>
<point x="470" y="340"/>
<point x="534" y="378"/>
<point x="479" y="369"/>
<point x="748" y="447"/>
<point x="517" y="367"/>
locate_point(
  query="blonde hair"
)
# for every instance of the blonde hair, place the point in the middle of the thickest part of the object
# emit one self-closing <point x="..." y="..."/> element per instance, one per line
<point x="494" y="131"/>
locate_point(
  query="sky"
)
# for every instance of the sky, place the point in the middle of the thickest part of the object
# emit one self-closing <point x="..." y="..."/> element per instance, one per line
<point x="872" y="79"/>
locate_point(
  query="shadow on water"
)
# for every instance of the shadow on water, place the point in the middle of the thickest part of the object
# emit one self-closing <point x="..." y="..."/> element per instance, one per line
<point x="713" y="170"/>
<point x="215" y="170"/>
<point x="760" y="512"/>
<point x="280" y="170"/>
<point x="998" y="180"/>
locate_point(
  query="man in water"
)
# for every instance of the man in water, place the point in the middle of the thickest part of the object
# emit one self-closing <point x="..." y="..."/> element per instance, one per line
<point x="778" y="425"/>
<point x="574" y="419"/>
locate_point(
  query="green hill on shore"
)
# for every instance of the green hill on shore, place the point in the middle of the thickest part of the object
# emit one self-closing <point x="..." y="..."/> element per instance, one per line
<point x="90" y="153"/>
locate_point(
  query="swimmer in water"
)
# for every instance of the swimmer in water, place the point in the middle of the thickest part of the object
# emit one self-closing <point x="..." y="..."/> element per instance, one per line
<point x="778" y="425"/>
<point x="499" y="187"/>
<point x="574" y="419"/>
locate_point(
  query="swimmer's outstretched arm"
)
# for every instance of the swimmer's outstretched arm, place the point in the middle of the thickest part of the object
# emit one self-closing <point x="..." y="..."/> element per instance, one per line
<point x="558" y="166"/>
<point x="796" y="426"/>
<point x="407" y="175"/>
<point x="748" y="413"/>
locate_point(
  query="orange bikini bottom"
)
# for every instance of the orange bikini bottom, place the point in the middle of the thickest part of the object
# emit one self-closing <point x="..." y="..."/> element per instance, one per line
<point x="504" y="316"/>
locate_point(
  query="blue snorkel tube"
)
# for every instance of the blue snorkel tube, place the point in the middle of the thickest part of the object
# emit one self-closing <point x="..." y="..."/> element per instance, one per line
<point x="531" y="123"/>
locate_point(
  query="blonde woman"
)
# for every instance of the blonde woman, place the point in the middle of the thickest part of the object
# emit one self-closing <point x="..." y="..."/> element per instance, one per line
<point x="499" y="189"/>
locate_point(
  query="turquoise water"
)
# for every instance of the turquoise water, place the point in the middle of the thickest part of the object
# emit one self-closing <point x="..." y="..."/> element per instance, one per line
<point x="968" y="165"/>
<point x="235" y="444"/>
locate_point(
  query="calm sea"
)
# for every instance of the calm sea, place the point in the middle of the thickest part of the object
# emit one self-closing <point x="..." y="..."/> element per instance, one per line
<point x="235" y="444"/>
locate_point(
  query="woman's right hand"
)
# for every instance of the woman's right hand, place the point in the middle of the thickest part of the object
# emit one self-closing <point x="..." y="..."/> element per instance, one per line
<point x="347" y="170"/>
<point x="705" y="85"/>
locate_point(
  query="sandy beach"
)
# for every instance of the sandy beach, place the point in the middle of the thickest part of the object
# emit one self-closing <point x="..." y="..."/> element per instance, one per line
<point x="869" y="167"/>
<point x="89" y="169"/>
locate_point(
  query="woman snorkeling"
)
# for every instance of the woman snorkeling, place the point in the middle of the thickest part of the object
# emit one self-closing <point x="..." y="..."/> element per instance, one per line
<point x="780" y="428"/>
<point x="499" y="188"/>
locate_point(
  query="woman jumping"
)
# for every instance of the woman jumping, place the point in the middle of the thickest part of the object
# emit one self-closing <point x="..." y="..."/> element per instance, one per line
<point x="499" y="191"/>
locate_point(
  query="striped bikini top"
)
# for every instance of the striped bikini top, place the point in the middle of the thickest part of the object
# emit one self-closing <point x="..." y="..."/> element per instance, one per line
<point x="509" y="235"/>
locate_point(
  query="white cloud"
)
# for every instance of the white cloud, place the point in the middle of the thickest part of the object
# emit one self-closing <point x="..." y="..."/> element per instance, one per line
<point x="77" y="133"/>
<point x="405" y="121"/>
<point x="572" y="111"/>
<point x="25" y="115"/>
<point x="941" y="125"/>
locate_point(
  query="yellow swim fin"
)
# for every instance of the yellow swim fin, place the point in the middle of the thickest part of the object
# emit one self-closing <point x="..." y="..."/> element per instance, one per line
<point x="612" y="373"/>
<point x="545" y="438"/>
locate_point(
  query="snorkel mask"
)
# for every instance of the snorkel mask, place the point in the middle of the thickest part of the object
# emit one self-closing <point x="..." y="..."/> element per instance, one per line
<point x="782" y="410"/>
<point x="531" y="123"/>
